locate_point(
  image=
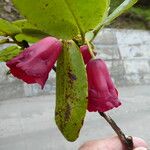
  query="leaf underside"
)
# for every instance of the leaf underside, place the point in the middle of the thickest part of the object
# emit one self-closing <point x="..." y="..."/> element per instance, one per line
<point x="63" y="18"/>
<point x="71" y="91"/>
<point x="29" y="32"/>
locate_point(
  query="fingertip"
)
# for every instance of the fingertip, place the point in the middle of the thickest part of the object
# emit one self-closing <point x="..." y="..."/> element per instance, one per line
<point x="140" y="148"/>
<point x="138" y="142"/>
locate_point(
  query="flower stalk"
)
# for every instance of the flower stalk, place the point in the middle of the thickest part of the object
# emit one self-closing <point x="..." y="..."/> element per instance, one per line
<point x="127" y="141"/>
<point x="90" y="49"/>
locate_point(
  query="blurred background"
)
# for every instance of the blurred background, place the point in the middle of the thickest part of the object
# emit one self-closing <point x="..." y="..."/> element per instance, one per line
<point x="27" y="112"/>
<point x="138" y="17"/>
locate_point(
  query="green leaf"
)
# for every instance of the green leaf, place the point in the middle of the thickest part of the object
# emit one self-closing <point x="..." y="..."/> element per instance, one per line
<point x="141" y="12"/>
<point x="119" y="10"/>
<point x="3" y="41"/>
<point x="63" y="18"/>
<point x="2" y="34"/>
<point x="29" y="32"/>
<point x="7" y="28"/>
<point x="23" y="24"/>
<point x="9" y="53"/>
<point x="71" y="91"/>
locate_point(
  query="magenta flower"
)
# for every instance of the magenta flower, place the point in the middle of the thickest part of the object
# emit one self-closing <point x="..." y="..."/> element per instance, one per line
<point x="85" y="53"/>
<point x="35" y="62"/>
<point x="102" y="94"/>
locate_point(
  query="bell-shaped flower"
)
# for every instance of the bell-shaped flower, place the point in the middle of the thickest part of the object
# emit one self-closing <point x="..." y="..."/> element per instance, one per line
<point x="102" y="94"/>
<point x="85" y="53"/>
<point x="35" y="62"/>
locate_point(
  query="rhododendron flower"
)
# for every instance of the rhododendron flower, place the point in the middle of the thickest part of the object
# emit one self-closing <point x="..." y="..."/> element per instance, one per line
<point x="85" y="53"/>
<point x="35" y="62"/>
<point x="102" y="94"/>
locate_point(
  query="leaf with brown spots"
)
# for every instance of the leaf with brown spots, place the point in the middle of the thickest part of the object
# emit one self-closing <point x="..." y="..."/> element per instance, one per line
<point x="71" y="91"/>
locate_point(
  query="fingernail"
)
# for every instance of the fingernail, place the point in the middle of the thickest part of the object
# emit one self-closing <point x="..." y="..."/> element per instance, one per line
<point x="141" y="148"/>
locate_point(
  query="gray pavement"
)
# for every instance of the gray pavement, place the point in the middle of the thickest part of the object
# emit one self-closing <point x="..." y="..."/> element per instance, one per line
<point x="28" y="123"/>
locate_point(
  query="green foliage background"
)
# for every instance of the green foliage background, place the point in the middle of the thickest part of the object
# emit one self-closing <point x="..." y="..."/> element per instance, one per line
<point x="138" y="17"/>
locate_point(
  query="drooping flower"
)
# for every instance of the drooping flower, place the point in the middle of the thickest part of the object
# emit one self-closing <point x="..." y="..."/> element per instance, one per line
<point x="35" y="62"/>
<point x="102" y="94"/>
<point x="85" y="53"/>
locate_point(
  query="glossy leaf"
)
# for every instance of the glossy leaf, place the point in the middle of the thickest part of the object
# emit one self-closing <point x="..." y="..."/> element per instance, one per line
<point x="119" y="10"/>
<point x="29" y="32"/>
<point x="7" y="28"/>
<point x="63" y="18"/>
<point x="71" y="91"/>
<point x="23" y="24"/>
<point x="9" y="53"/>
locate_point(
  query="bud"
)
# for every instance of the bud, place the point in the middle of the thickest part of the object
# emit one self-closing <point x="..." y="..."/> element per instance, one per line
<point x="102" y="94"/>
<point x="35" y="62"/>
<point x="85" y="53"/>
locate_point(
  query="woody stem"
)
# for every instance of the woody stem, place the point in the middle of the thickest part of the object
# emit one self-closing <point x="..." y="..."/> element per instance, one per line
<point x="127" y="141"/>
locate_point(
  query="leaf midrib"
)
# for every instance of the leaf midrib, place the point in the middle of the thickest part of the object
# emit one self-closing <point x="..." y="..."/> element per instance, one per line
<point x="75" y="19"/>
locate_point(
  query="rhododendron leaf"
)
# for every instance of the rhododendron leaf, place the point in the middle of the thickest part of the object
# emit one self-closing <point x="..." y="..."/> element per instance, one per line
<point x="71" y="91"/>
<point x="3" y="41"/>
<point x="63" y="18"/>
<point x="23" y="23"/>
<point x="119" y="10"/>
<point x="2" y="34"/>
<point x="29" y="32"/>
<point x="29" y="38"/>
<point x="7" y="28"/>
<point x="9" y="53"/>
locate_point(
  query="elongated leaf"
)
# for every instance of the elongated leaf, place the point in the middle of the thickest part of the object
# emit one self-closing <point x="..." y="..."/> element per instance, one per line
<point x="63" y="18"/>
<point x="23" y="24"/>
<point x="119" y="10"/>
<point x="71" y="91"/>
<point x="29" y="32"/>
<point x="29" y="38"/>
<point x="9" y="53"/>
<point x="7" y="28"/>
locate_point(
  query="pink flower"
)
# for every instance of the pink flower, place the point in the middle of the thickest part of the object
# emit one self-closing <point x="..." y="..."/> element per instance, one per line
<point x="35" y="62"/>
<point x="85" y="53"/>
<point x="102" y="94"/>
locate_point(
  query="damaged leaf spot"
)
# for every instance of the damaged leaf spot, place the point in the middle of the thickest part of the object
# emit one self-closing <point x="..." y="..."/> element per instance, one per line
<point x="72" y="76"/>
<point x="46" y="5"/>
<point x="67" y="112"/>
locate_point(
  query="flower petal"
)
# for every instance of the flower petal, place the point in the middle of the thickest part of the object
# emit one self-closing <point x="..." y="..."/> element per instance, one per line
<point x="35" y="62"/>
<point x="102" y="95"/>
